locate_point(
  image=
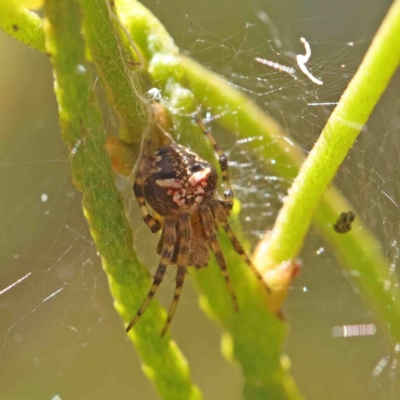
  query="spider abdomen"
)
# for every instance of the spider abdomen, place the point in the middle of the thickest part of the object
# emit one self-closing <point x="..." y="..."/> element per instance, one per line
<point x="178" y="181"/>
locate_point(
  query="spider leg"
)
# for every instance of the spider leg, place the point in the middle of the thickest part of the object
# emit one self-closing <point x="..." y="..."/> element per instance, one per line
<point x="160" y="244"/>
<point x="218" y="210"/>
<point x="180" y="277"/>
<point x="208" y="224"/>
<point x="223" y="161"/>
<point x="185" y="233"/>
<point x="151" y="222"/>
<point x="169" y="241"/>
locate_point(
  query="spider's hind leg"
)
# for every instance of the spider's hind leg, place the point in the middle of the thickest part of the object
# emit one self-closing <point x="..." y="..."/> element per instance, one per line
<point x="209" y="228"/>
<point x="160" y="244"/>
<point x="180" y="277"/>
<point x="169" y="235"/>
<point x="185" y="234"/>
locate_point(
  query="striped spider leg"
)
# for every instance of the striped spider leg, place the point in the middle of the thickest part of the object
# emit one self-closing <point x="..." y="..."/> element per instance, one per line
<point x="221" y="209"/>
<point x="223" y="162"/>
<point x="181" y="188"/>
<point x="169" y="234"/>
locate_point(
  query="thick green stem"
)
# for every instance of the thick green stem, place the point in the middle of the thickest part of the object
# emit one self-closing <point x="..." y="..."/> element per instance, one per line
<point x="120" y="78"/>
<point x="82" y="130"/>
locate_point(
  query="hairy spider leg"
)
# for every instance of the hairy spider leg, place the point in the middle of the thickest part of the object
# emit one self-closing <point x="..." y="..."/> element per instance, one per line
<point x="151" y="222"/>
<point x="166" y="256"/>
<point x="223" y="161"/>
<point x="160" y="244"/>
<point x="185" y="233"/>
<point x="219" y="212"/>
<point x="208" y="224"/>
<point x="180" y="277"/>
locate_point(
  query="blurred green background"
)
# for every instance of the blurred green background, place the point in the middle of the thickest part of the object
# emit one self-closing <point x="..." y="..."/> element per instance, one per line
<point x="59" y="333"/>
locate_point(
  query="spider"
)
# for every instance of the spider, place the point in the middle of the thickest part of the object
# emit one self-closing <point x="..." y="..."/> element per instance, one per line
<point x="181" y="187"/>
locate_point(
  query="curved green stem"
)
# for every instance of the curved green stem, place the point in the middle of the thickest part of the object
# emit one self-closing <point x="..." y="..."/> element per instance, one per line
<point x="82" y="130"/>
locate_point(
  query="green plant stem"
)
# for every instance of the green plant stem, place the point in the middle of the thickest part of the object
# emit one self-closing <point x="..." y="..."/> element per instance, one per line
<point x="82" y="130"/>
<point x="119" y="77"/>
<point x="22" y="24"/>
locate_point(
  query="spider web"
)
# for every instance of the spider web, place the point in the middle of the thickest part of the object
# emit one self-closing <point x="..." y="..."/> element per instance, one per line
<point x="59" y="334"/>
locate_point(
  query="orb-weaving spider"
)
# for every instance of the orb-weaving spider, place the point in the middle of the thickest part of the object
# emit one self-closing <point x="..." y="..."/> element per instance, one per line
<point x="181" y="187"/>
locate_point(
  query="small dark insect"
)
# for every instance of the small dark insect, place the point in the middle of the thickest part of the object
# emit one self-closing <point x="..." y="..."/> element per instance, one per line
<point x="181" y="187"/>
<point x="343" y="224"/>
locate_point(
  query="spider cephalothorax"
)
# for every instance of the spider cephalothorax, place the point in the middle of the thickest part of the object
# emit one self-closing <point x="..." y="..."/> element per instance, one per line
<point x="181" y="188"/>
<point x="177" y="181"/>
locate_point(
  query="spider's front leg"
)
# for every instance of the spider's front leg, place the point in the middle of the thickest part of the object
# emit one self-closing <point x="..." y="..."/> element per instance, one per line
<point x="222" y="159"/>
